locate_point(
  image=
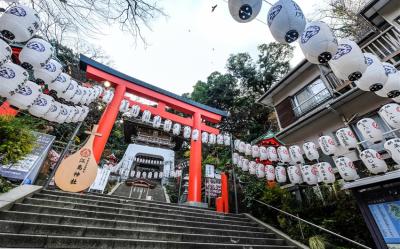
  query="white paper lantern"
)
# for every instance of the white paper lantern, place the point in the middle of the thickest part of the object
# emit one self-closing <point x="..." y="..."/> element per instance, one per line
<point x="240" y="162"/>
<point x="269" y="172"/>
<point x="85" y="112"/>
<point x="255" y="151"/>
<point x="212" y="139"/>
<point x="227" y="140"/>
<point x="107" y="96"/>
<point x="195" y="134"/>
<point x="391" y="114"/>
<point x="12" y="77"/>
<point x="263" y="153"/>
<point x="236" y="144"/>
<point x="325" y="172"/>
<point x="204" y="137"/>
<point x="311" y="151"/>
<point x="272" y="154"/>
<point x="78" y="113"/>
<point x="252" y="167"/>
<point x="63" y="114"/>
<point x="187" y="131"/>
<point x="294" y="174"/>
<point x="25" y="95"/>
<point x="167" y="125"/>
<point x="283" y="154"/>
<point x="60" y="84"/>
<point x="85" y="95"/>
<point x="157" y="121"/>
<point x="124" y="106"/>
<point x="346" y="138"/>
<point x="348" y="63"/>
<point x="318" y="42"/>
<point x="220" y="139"/>
<point x="286" y="21"/>
<point x="90" y="96"/>
<point x="247" y="151"/>
<point x="373" y="161"/>
<point x="374" y="78"/>
<point x="155" y="175"/>
<point x="391" y="88"/>
<point x="176" y="129"/>
<point x="346" y="169"/>
<point x="327" y="145"/>
<point x="244" y="10"/>
<point x="370" y="130"/>
<point x="76" y="98"/>
<point x="53" y="112"/>
<point x="260" y="171"/>
<point x="310" y="174"/>
<point x="70" y="92"/>
<point x="146" y="116"/>
<point x="235" y="158"/>
<point x="41" y="105"/>
<point x="242" y="147"/>
<point x="296" y="154"/>
<point x="19" y="23"/>
<point x="5" y="52"/>
<point x="134" y="111"/>
<point x="280" y="174"/>
<point x="392" y="146"/>
<point x="35" y="54"/>
<point x="245" y="164"/>
<point x="48" y="73"/>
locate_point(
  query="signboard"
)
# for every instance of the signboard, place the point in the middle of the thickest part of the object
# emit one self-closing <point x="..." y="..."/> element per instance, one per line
<point x="78" y="171"/>
<point x="101" y="180"/>
<point x="28" y="168"/>
<point x="210" y="171"/>
<point x="213" y="187"/>
<point x="387" y="217"/>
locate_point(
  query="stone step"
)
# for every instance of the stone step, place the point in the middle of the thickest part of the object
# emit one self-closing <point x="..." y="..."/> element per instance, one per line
<point x="168" y="210"/>
<point x="119" y="199"/>
<point x="117" y="224"/>
<point x="50" y="241"/>
<point x="23" y="207"/>
<point x="96" y="232"/>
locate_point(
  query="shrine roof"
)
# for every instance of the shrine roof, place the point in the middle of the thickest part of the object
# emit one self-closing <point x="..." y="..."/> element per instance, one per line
<point x="85" y="61"/>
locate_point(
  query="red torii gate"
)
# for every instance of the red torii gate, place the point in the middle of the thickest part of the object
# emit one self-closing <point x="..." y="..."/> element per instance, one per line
<point x="125" y="84"/>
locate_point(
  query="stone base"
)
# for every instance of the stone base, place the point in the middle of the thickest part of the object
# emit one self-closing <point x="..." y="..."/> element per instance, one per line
<point x="196" y="204"/>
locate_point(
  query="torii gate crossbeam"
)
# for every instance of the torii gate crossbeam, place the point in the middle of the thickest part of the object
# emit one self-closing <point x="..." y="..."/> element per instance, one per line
<point x="126" y="84"/>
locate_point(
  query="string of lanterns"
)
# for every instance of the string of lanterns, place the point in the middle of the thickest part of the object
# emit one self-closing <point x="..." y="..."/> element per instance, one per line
<point x="19" y="23"/>
<point x="297" y="171"/>
<point x="134" y="111"/>
<point x="319" y="45"/>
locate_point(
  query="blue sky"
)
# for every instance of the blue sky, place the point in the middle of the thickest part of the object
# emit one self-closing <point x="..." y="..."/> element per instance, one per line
<point x="190" y="43"/>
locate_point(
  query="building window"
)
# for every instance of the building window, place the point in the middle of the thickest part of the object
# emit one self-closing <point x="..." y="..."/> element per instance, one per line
<point x="310" y="97"/>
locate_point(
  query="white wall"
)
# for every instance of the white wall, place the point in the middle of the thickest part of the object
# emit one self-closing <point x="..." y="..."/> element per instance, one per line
<point x="125" y="164"/>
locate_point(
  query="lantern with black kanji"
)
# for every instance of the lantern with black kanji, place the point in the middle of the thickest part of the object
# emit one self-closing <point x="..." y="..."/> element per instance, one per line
<point x="212" y="139"/>
<point x="195" y="134"/>
<point x="24" y="97"/>
<point x="146" y="116"/>
<point x="373" y="161"/>
<point x="245" y="164"/>
<point x="391" y="88"/>
<point x="12" y="77"/>
<point x="347" y="138"/>
<point x="35" y="54"/>
<point x="187" y="131"/>
<point x="391" y="114"/>
<point x="283" y="154"/>
<point x="296" y="154"/>
<point x="263" y="153"/>
<point x="272" y="154"/>
<point x="48" y="73"/>
<point x="247" y="152"/>
<point x="157" y="121"/>
<point x="370" y="130"/>
<point x="41" y="105"/>
<point x="260" y="172"/>
<point x="252" y="167"/>
<point x="392" y="146"/>
<point x="294" y="174"/>
<point x="255" y="151"/>
<point x="269" y="172"/>
<point x="310" y="174"/>
<point x="327" y="145"/>
<point x="280" y="174"/>
<point x="5" y="52"/>
<point x="204" y="137"/>
<point x="346" y="169"/>
<point x="311" y="151"/>
<point x="325" y="172"/>
<point x="220" y="139"/>
<point x="124" y="106"/>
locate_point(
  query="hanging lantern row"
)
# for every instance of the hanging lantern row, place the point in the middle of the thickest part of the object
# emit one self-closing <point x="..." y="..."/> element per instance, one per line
<point x="167" y="126"/>
<point x="147" y="175"/>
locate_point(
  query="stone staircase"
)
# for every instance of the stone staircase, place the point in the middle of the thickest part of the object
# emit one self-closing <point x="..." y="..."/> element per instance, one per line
<point x="54" y="219"/>
<point x="156" y="193"/>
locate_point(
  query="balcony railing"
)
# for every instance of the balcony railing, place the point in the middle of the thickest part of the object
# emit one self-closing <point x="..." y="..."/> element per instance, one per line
<point x="312" y="102"/>
<point x="385" y="45"/>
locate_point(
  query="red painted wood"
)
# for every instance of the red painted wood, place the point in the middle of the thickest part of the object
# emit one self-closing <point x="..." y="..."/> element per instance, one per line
<point x="7" y="110"/>
<point x="143" y="92"/>
<point x="194" y="194"/>
<point x="225" y="192"/>
<point x="219" y="205"/>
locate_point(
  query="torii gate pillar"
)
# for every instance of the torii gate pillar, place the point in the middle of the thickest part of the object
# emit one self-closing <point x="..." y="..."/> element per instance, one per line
<point x="194" y="195"/>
